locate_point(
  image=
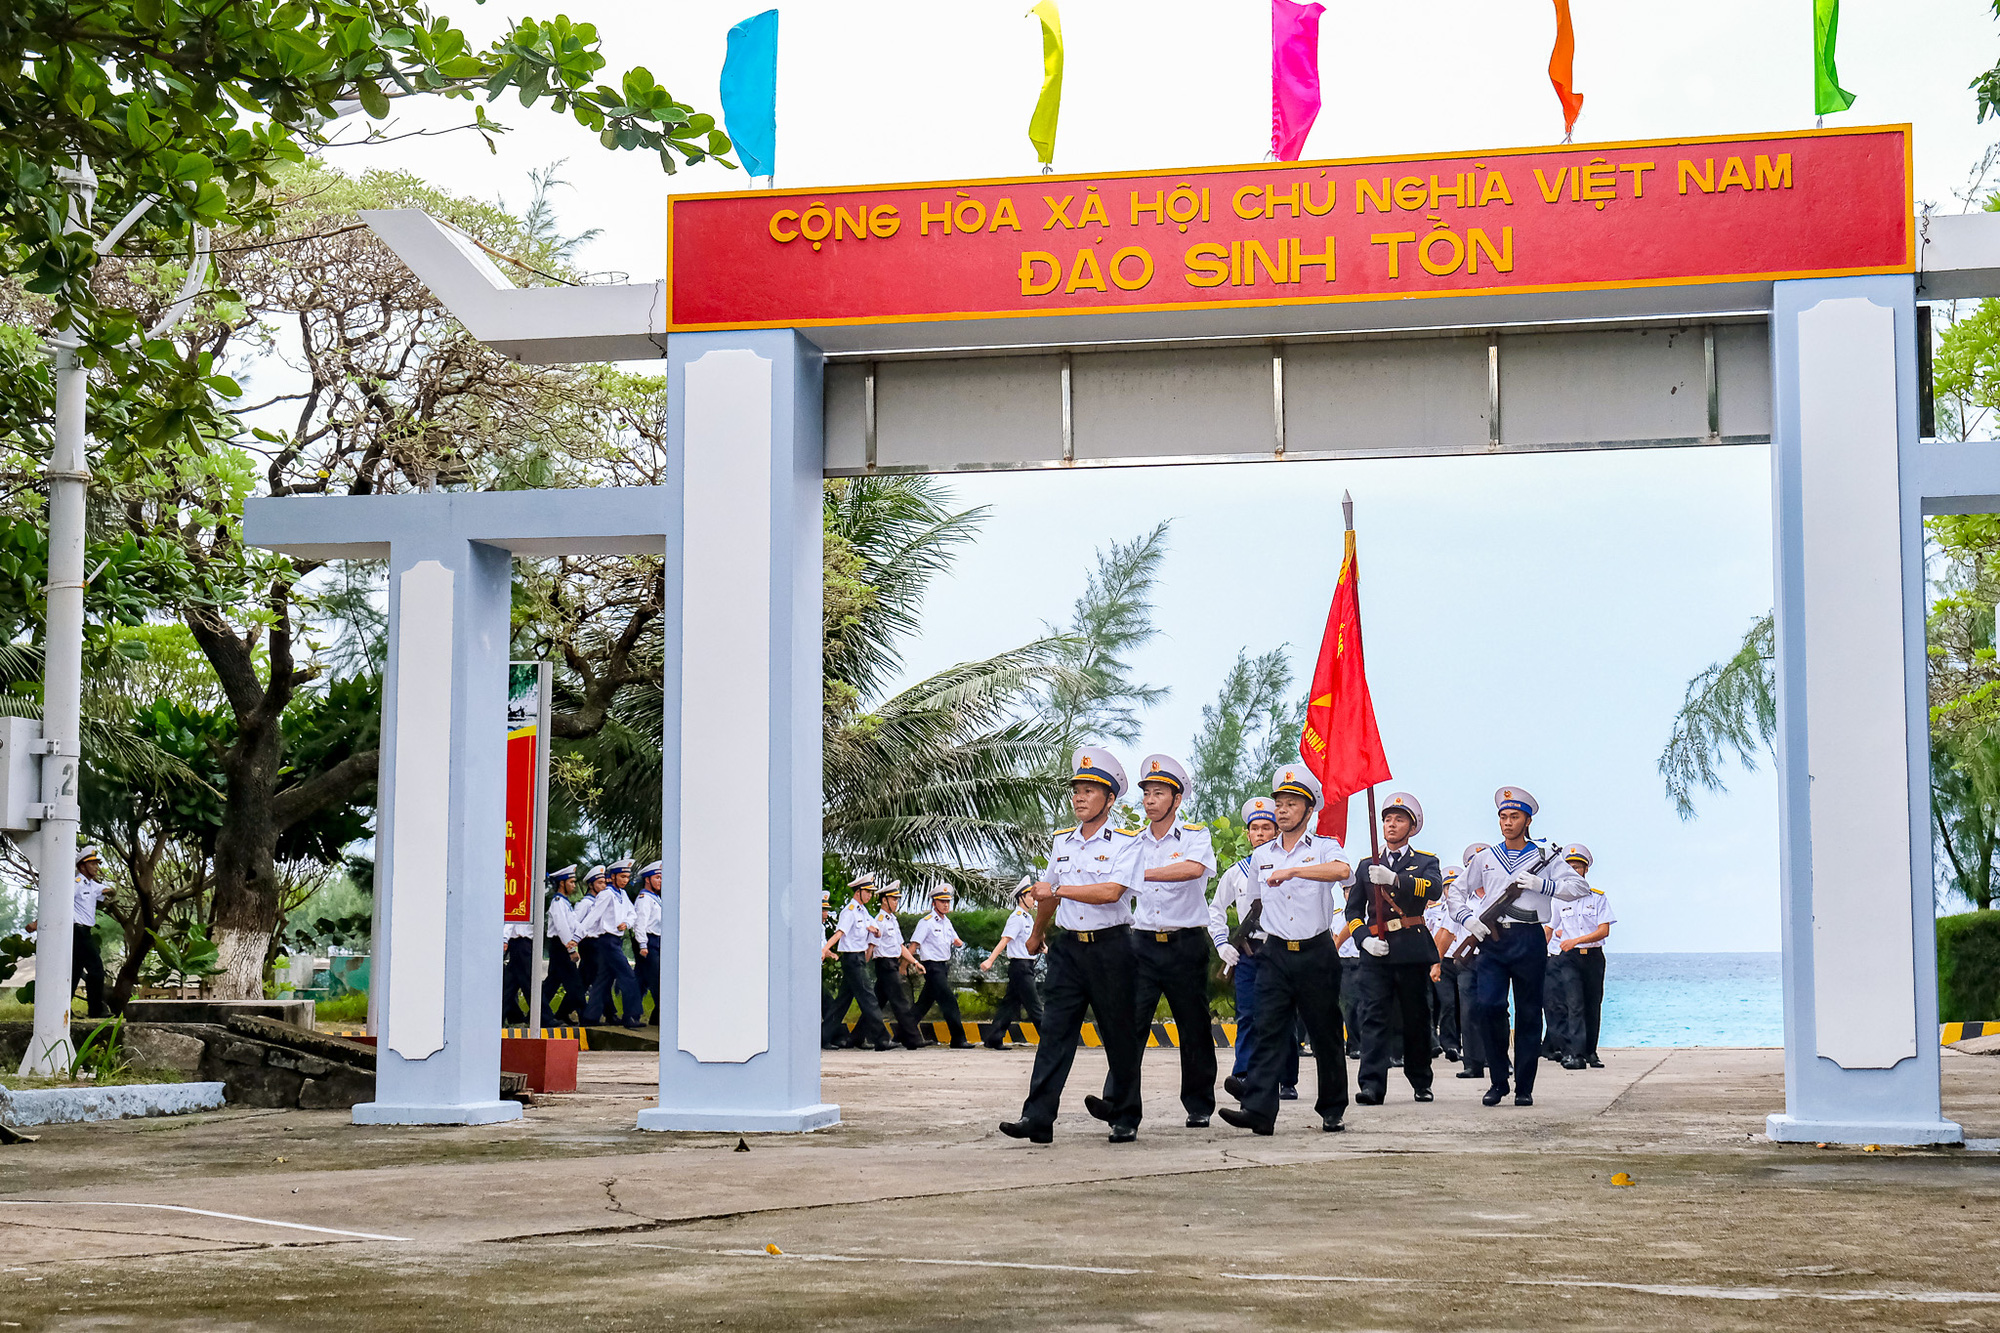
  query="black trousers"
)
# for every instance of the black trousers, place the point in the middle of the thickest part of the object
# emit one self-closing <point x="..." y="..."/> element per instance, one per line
<point x="1556" y="1035"/>
<point x="1097" y="976"/>
<point x="937" y="991"/>
<point x="1516" y="957"/>
<point x="1350" y="1004"/>
<point x="1290" y="987"/>
<point x="563" y="975"/>
<point x="892" y="995"/>
<point x="1585" y="977"/>
<point x="1390" y="991"/>
<point x="86" y="964"/>
<point x="857" y="986"/>
<point x="1022" y="997"/>
<point x="1472" y="1043"/>
<point x="1445" y="998"/>
<point x="516" y="979"/>
<point x="614" y="973"/>
<point x="1178" y="970"/>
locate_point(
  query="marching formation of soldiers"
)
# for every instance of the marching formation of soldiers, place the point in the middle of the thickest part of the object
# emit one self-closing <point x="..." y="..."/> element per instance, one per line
<point x="591" y="979"/>
<point x="1437" y="954"/>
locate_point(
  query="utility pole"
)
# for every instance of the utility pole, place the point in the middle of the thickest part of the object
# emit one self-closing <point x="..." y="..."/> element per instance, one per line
<point x="50" y="1049"/>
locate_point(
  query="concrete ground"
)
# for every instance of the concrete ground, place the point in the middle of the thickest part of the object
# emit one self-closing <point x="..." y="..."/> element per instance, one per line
<point x="915" y="1211"/>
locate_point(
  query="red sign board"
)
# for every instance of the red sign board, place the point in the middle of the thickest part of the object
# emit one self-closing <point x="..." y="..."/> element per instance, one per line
<point x="1810" y="203"/>
<point x="521" y="876"/>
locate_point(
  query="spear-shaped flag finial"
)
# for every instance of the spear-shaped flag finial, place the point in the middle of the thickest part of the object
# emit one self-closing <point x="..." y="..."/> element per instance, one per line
<point x="1347" y="508"/>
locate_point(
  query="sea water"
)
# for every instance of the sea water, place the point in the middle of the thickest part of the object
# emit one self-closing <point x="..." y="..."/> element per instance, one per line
<point x="1692" y="999"/>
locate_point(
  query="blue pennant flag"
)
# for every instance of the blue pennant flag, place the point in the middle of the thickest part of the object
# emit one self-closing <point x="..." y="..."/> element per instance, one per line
<point x="750" y="91"/>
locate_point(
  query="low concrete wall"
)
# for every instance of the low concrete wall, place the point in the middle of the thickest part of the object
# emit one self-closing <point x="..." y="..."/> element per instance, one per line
<point x="136" y="1101"/>
<point x="298" y="1013"/>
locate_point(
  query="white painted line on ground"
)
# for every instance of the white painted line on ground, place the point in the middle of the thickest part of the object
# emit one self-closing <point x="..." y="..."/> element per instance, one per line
<point x="876" y="1259"/>
<point x="1306" y="1277"/>
<point x="1776" y="1293"/>
<point x="198" y="1212"/>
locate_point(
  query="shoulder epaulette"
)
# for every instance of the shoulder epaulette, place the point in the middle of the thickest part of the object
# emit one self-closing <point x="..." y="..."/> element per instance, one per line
<point x="1071" y="829"/>
<point x="1594" y="889"/>
<point x="1421" y="852"/>
<point x="1126" y="832"/>
<point x="1194" y="828"/>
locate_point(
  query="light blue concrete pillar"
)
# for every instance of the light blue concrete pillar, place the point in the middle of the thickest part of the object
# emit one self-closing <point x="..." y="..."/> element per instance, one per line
<point x="1860" y="969"/>
<point x="441" y="834"/>
<point x="740" y="808"/>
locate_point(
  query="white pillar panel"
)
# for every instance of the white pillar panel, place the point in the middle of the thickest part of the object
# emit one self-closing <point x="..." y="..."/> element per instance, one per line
<point x="725" y="710"/>
<point x="1857" y="742"/>
<point x="415" y="1019"/>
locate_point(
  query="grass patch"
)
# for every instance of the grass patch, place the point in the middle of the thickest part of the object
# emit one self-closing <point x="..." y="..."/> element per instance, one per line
<point x="124" y="1078"/>
<point x="349" y="1008"/>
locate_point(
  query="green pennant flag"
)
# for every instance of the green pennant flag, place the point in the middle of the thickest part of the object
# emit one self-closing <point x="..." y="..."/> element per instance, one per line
<point x="1828" y="95"/>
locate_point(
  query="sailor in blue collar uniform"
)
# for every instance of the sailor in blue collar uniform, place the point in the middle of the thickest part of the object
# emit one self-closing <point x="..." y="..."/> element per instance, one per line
<point x="564" y="952"/>
<point x="646" y="934"/>
<point x="1238" y="889"/>
<point x="1087" y="887"/>
<point x="1515" y="952"/>
<point x="1397" y="953"/>
<point x="1297" y="872"/>
<point x="1170" y="945"/>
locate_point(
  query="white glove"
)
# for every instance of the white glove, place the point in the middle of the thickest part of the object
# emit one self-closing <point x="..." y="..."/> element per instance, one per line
<point x="1378" y="947"/>
<point x="1381" y="875"/>
<point x="1227" y="953"/>
<point x="1529" y="881"/>
<point x="1478" y="929"/>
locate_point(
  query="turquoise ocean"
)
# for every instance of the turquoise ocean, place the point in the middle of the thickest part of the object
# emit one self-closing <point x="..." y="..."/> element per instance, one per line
<point x="1692" y="999"/>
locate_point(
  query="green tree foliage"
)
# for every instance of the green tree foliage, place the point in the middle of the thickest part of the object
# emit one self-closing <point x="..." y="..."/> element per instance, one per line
<point x="1098" y="700"/>
<point x="1968" y="967"/>
<point x="1730" y="711"/>
<point x="1251" y="728"/>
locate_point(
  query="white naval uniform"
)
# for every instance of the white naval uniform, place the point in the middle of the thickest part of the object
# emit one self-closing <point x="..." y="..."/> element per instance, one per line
<point x="933" y="938"/>
<point x="561" y="920"/>
<point x="89" y="892"/>
<point x="517" y="930"/>
<point x="1577" y="917"/>
<point x="1494" y="867"/>
<point x="646" y="917"/>
<point x="889" y="937"/>
<point x="1107" y="857"/>
<point x="1238" y="889"/>
<point x="1299" y="908"/>
<point x="590" y="915"/>
<point x="1019" y="926"/>
<point x="1180" y="904"/>
<point x="850" y="933"/>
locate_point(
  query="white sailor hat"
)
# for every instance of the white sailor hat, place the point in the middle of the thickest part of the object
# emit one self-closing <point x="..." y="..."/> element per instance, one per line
<point x="1576" y="851"/>
<point x="1027" y="883"/>
<point x="623" y="863"/>
<point x="86" y="854"/>
<point x="1259" y="807"/>
<point x="650" y="868"/>
<point x="1296" y="779"/>
<point x="1452" y="872"/>
<point x="864" y="880"/>
<point x="558" y="876"/>
<point x="1408" y="804"/>
<point x="1094" y="764"/>
<point x="593" y="875"/>
<point x="826" y="897"/>
<point x="893" y="889"/>
<point x="1472" y="849"/>
<point x="1517" y="798"/>
<point x="1164" y="768"/>
<point x="942" y="893"/>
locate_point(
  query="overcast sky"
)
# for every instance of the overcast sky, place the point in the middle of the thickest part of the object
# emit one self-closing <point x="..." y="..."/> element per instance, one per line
<point x="1544" y="613"/>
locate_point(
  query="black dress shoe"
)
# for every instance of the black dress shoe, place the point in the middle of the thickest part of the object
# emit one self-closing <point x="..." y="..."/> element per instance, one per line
<point x="1330" y="1124"/>
<point x="1473" y="1071"/>
<point x="1367" y="1098"/>
<point x="1593" y="1062"/>
<point x="1492" y="1096"/>
<point x="1574" y="1062"/>
<point x="1234" y="1085"/>
<point x="1197" y="1122"/>
<point x="1098" y="1107"/>
<point x="1124" y="1133"/>
<point x="994" y="1045"/>
<point x="1244" y="1120"/>
<point x="1424" y="1095"/>
<point x="881" y="1046"/>
<point x="1524" y="1099"/>
<point x="1453" y="1057"/>
<point x="959" y="1045"/>
<point x="1288" y="1093"/>
<point x="1021" y="1129"/>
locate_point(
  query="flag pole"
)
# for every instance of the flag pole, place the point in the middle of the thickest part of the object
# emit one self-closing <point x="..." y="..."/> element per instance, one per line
<point x="1354" y="573"/>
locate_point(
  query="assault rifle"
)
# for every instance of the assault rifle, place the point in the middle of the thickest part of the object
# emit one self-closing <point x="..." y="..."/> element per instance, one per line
<point x="1243" y="938"/>
<point x="1468" y="943"/>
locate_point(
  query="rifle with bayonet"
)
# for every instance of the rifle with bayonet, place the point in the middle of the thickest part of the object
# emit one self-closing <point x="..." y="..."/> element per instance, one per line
<point x="1491" y="914"/>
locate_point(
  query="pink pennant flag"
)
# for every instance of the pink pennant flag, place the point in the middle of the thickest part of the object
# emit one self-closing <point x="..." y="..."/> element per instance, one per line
<point x="1294" y="76"/>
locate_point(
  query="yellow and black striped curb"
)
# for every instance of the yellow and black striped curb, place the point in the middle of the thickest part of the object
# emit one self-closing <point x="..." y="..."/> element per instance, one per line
<point x="1162" y="1034"/>
<point x="1952" y="1033"/>
<point x="579" y="1034"/>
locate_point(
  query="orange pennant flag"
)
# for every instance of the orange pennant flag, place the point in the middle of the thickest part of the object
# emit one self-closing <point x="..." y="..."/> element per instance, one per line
<point x="1562" y="69"/>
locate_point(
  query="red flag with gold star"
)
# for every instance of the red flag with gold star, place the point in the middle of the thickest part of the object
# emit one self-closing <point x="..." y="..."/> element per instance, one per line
<point x="1341" y="744"/>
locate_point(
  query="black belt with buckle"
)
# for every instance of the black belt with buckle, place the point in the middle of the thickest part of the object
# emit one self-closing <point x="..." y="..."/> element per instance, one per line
<point x="1168" y="936"/>
<point x="1301" y="946"/>
<point x="1098" y="936"/>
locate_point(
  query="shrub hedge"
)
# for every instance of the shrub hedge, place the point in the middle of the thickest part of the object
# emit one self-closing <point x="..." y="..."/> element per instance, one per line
<point x="1969" y="967"/>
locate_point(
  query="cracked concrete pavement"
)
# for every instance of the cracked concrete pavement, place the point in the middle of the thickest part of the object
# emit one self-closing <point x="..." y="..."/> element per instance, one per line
<point x="915" y="1210"/>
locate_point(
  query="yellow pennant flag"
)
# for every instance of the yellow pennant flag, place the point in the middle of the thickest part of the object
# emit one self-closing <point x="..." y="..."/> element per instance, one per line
<point x="1042" y="126"/>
